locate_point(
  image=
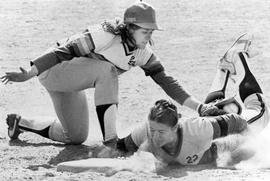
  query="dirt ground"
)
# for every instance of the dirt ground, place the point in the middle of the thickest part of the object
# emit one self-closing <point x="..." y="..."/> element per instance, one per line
<point x="195" y="36"/>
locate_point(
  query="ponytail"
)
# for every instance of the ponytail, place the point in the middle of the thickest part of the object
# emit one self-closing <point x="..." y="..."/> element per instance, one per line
<point x="119" y="28"/>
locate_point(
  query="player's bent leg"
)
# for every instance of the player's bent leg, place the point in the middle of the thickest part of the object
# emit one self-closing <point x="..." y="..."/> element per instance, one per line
<point x="17" y="125"/>
<point x="74" y="75"/>
<point x="82" y="73"/>
<point x="227" y="67"/>
<point x="248" y="84"/>
<point x="230" y="59"/>
<point x="107" y="119"/>
<point x="256" y="112"/>
<point x="72" y="111"/>
<point x="106" y="100"/>
<point x="218" y="87"/>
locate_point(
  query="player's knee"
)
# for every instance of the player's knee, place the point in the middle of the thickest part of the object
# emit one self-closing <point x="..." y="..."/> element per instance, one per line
<point x="78" y="138"/>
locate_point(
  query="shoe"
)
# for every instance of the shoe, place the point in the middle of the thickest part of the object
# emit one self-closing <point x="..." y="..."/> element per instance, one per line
<point x="13" y="126"/>
<point x="111" y="143"/>
<point x="228" y="61"/>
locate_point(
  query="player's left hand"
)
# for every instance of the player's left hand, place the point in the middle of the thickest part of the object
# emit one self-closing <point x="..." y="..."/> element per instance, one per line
<point x="210" y="110"/>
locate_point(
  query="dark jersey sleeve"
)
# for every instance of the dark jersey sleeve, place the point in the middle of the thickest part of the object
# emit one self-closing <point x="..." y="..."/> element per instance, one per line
<point x="171" y="86"/>
<point x="228" y="124"/>
<point x="134" y="140"/>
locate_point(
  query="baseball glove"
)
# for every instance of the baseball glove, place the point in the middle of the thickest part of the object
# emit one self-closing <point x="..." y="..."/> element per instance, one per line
<point x="210" y="110"/>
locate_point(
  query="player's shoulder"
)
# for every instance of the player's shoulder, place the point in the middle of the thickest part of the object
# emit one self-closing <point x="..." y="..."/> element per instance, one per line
<point x="99" y="35"/>
<point x="196" y="126"/>
<point x="144" y="55"/>
<point x="139" y="52"/>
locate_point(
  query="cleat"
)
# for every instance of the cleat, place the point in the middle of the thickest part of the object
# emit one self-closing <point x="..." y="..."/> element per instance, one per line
<point x="241" y="45"/>
<point x="13" y="126"/>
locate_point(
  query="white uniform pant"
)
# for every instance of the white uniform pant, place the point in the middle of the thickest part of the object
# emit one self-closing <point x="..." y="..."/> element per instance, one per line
<point x="66" y="82"/>
<point x="256" y="112"/>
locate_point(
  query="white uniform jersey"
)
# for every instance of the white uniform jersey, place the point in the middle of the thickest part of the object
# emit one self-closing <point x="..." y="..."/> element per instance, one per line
<point x="100" y="45"/>
<point x="117" y="52"/>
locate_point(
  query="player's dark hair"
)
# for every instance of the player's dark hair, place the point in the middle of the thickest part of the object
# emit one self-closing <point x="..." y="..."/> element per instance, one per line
<point x="164" y="112"/>
<point x="119" y="28"/>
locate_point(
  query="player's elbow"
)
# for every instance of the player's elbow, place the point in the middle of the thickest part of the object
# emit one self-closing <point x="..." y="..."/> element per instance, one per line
<point x="228" y="124"/>
<point x="236" y="123"/>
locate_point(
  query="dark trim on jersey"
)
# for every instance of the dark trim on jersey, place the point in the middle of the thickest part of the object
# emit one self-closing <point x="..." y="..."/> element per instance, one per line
<point x="262" y="110"/>
<point x="44" y="132"/>
<point x="128" y="50"/>
<point x="223" y="125"/>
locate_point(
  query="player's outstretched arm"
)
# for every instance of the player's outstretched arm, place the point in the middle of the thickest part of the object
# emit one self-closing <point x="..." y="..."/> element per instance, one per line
<point x="21" y="76"/>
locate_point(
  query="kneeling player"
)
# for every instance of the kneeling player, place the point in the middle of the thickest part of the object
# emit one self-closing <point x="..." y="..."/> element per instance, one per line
<point x="190" y="141"/>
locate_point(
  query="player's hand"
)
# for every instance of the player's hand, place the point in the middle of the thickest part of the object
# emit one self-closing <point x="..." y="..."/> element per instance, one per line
<point x="21" y="76"/>
<point x="210" y="110"/>
<point x="108" y="152"/>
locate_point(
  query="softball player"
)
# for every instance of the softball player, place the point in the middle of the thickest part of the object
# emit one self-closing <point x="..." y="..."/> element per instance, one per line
<point x="190" y="141"/>
<point x="94" y="59"/>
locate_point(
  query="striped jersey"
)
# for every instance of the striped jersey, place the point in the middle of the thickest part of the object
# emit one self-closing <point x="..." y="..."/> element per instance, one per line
<point x="99" y="44"/>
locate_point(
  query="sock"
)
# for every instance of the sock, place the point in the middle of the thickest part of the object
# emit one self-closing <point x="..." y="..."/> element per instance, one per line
<point x="44" y="132"/>
<point x="218" y="87"/>
<point x="38" y="125"/>
<point x="107" y="118"/>
<point x="249" y="84"/>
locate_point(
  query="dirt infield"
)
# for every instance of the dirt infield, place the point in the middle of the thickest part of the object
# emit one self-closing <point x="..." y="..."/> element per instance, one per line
<point x="195" y="36"/>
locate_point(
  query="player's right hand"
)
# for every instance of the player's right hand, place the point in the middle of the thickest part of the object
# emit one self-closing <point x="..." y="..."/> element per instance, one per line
<point x="108" y="152"/>
<point x="21" y="76"/>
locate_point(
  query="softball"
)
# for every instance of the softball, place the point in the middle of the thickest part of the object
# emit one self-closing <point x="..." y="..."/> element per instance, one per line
<point x="231" y="108"/>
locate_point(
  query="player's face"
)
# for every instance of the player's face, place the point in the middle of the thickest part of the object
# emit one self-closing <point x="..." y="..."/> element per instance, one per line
<point x="161" y="134"/>
<point x="142" y="37"/>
